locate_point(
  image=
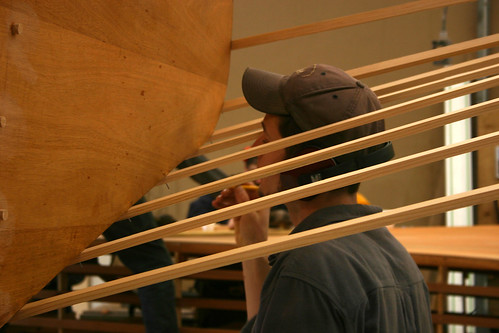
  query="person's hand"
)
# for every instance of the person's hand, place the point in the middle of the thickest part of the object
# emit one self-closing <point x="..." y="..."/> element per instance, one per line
<point x="250" y="228"/>
<point x="227" y="197"/>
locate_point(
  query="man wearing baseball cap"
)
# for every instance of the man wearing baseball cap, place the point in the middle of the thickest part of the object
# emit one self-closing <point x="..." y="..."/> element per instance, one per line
<point x="366" y="282"/>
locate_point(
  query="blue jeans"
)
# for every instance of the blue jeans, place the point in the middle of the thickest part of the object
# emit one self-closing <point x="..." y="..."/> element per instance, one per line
<point x="158" y="300"/>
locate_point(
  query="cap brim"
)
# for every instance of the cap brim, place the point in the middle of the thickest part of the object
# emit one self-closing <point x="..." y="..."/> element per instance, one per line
<point x="261" y="90"/>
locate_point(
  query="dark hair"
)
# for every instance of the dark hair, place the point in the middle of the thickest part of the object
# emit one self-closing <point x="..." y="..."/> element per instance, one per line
<point x="165" y="219"/>
<point x="288" y="127"/>
<point x="250" y="161"/>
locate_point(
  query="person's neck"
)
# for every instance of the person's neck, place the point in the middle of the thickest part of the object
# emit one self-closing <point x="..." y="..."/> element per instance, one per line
<point x="300" y="209"/>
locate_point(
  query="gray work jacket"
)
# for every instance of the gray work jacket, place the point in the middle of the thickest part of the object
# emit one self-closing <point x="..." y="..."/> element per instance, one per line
<point x="366" y="282"/>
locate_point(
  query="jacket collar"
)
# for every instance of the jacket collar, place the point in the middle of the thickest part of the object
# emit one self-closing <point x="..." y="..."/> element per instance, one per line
<point x="330" y="215"/>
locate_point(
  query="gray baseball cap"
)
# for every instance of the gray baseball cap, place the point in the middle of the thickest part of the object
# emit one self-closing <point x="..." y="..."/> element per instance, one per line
<point x="314" y="96"/>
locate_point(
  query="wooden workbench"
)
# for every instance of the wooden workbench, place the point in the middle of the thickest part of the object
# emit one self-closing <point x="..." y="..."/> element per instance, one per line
<point x="437" y="249"/>
<point x="478" y="245"/>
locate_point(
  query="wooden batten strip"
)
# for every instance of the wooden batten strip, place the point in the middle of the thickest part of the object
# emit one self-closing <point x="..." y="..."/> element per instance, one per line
<point x="234" y="104"/>
<point x="441" y="83"/>
<point x="228" y="132"/>
<point x="268" y="201"/>
<point x="236" y="129"/>
<point x="426" y="56"/>
<point x="343" y="22"/>
<point x="388" y="135"/>
<point x="309" y="237"/>
<point x="390" y="87"/>
<point x="436" y="74"/>
<point x="228" y="143"/>
<point x="333" y="128"/>
<point x="423" y="87"/>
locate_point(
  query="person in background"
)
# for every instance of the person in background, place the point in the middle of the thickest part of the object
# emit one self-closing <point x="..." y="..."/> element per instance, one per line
<point x="366" y="282"/>
<point x="202" y="204"/>
<point x="157" y="301"/>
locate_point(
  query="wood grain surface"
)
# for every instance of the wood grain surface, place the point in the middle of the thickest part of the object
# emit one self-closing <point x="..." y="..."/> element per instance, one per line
<point x="101" y="101"/>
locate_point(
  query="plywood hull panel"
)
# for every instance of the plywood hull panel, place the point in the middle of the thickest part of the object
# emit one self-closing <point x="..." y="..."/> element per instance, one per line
<point x="99" y="101"/>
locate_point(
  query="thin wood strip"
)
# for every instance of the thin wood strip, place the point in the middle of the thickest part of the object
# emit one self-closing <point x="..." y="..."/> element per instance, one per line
<point x="426" y="56"/>
<point x="441" y="83"/>
<point x="228" y="143"/>
<point x="464" y="290"/>
<point x="309" y="237"/>
<point x="333" y="128"/>
<point x="128" y="297"/>
<point x="436" y="74"/>
<point x="235" y="129"/>
<point x="343" y="22"/>
<point x="234" y="104"/>
<point x="390" y="87"/>
<point x="423" y="87"/>
<point x="291" y="195"/>
<point x="453" y="262"/>
<point x="388" y="135"/>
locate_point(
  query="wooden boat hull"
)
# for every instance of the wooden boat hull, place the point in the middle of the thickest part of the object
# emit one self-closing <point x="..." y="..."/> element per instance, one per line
<point x="99" y="102"/>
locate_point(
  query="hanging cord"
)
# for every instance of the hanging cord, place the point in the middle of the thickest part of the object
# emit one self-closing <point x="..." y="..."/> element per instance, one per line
<point x="443" y="39"/>
<point x="443" y="30"/>
<point x="496" y="204"/>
